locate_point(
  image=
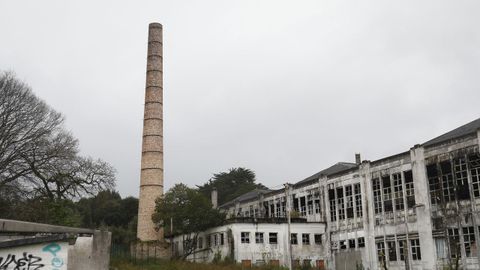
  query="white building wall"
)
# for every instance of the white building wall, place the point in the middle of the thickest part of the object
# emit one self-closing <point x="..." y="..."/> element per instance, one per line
<point x="396" y="225"/>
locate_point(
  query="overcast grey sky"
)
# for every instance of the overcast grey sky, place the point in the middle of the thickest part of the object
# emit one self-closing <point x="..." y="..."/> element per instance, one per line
<point x="285" y="88"/>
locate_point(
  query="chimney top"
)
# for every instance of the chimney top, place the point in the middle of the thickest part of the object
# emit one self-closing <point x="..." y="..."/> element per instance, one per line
<point x="358" y="159"/>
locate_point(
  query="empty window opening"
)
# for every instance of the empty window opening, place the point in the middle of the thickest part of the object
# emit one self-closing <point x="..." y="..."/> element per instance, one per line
<point x="318" y="239"/>
<point x="358" y="200"/>
<point x="349" y="200"/>
<point x="340" y="204"/>
<point x="351" y="243"/>
<point x="409" y="188"/>
<point x="469" y="240"/>
<point x="398" y="192"/>
<point x="415" y="246"/>
<point x="306" y="238"/>
<point x="392" y="251"/>
<point x="377" y="195"/>
<point x="361" y="242"/>
<point x="259" y="237"/>
<point x="387" y="193"/>
<point x="333" y="206"/>
<point x="461" y="178"/>
<point x="293" y="239"/>
<point x="245" y="237"/>
<point x="273" y="238"/>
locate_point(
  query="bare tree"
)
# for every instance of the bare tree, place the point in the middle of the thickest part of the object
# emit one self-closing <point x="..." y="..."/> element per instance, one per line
<point x="37" y="155"/>
<point x="24" y="119"/>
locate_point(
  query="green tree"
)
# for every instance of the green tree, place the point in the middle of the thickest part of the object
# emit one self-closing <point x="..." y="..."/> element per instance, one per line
<point x="231" y="184"/>
<point x="190" y="213"/>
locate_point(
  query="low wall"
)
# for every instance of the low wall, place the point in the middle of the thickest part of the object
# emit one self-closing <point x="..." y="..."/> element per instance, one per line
<point x="26" y="245"/>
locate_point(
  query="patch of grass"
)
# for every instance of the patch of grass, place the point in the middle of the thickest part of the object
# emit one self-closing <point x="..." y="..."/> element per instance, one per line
<point x="124" y="264"/>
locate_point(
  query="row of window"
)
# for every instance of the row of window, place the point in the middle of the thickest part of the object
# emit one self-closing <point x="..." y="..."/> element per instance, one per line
<point x="273" y="238"/>
<point x="214" y="239"/>
<point x="350" y="243"/>
<point x="452" y="247"/>
<point x="347" y="201"/>
<point x="304" y="205"/>
<point x="453" y="179"/>
<point x="391" y="191"/>
<point x="397" y="249"/>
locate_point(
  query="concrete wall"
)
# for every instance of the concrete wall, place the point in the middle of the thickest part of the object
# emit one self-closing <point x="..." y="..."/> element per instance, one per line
<point x="40" y="256"/>
<point x="27" y="245"/>
<point x="90" y="252"/>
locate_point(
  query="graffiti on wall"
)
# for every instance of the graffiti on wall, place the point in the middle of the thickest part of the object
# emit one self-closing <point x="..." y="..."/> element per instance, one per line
<point x="49" y="256"/>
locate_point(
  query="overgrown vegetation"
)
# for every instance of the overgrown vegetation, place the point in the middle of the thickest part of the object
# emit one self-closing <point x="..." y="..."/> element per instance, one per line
<point x="231" y="184"/>
<point x="190" y="213"/>
<point x="121" y="264"/>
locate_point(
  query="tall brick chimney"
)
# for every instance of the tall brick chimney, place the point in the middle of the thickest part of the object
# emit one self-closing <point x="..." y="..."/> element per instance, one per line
<point x="151" y="175"/>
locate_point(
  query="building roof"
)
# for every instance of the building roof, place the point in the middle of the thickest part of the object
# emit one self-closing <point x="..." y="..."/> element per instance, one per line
<point x="459" y="132"/>
<point x="254" y="194"/>
<point x="467" y="129"/>
<point x="337" y="168"/>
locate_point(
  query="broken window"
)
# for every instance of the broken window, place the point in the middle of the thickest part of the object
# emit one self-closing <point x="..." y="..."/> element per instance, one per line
<point x="293" y="239"/>
<point x="310" y="204"/>
<point x="340" y="203"/>
<point x="351" y="243"/>
<point x="454" y="242"/>
<point x="474" y="162"/>
<point x="461" y="178"/>
<point x="381" y="251"/>
<point x="402" y="247"/>
<point x="259" y="237"/>
<point x="245" y="237"/>
<point x="343" y="245"/>
<point x="278" y="210"/>
<point x="409" y="188"/>
<point x="468" y="240"/>
<point x="284" y="208"/>
<point x="318" y="239"/>
<point x="305" y="238"/>
<point x="273" y="238"/>
<point x="392" y="251"/>
<point x="295" y="203"/>
<point x="448" y="185"/>
<point x="398" y="192"/>
<point x="434" y="184"/>
<point x="222" y="239"/>
<point x="358" y="200"/>
<point x="349" y="199"/>
<point x="415" y="247"/>
<point x="303" y="206"/>
<point x="317" y="206"/>
<point x="377" y="195"/>
<point x="333" y="206"/>
<point x="361" y="242"/>
<point x="387" y="194"/>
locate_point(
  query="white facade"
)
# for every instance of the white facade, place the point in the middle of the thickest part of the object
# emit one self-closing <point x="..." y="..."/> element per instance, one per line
<point x="259" y="243"/>
<point x="413" y="210"/>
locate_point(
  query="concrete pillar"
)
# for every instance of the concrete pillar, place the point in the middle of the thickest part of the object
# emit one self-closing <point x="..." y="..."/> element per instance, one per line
<point x="422" y="199"/>
<point x="368" y="216"/>
<point x="214" y="198"/>
<point x="151" y="176"/>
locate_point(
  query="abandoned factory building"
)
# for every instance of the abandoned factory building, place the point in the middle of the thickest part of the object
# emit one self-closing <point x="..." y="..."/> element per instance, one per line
<point x="413" y="210"/>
